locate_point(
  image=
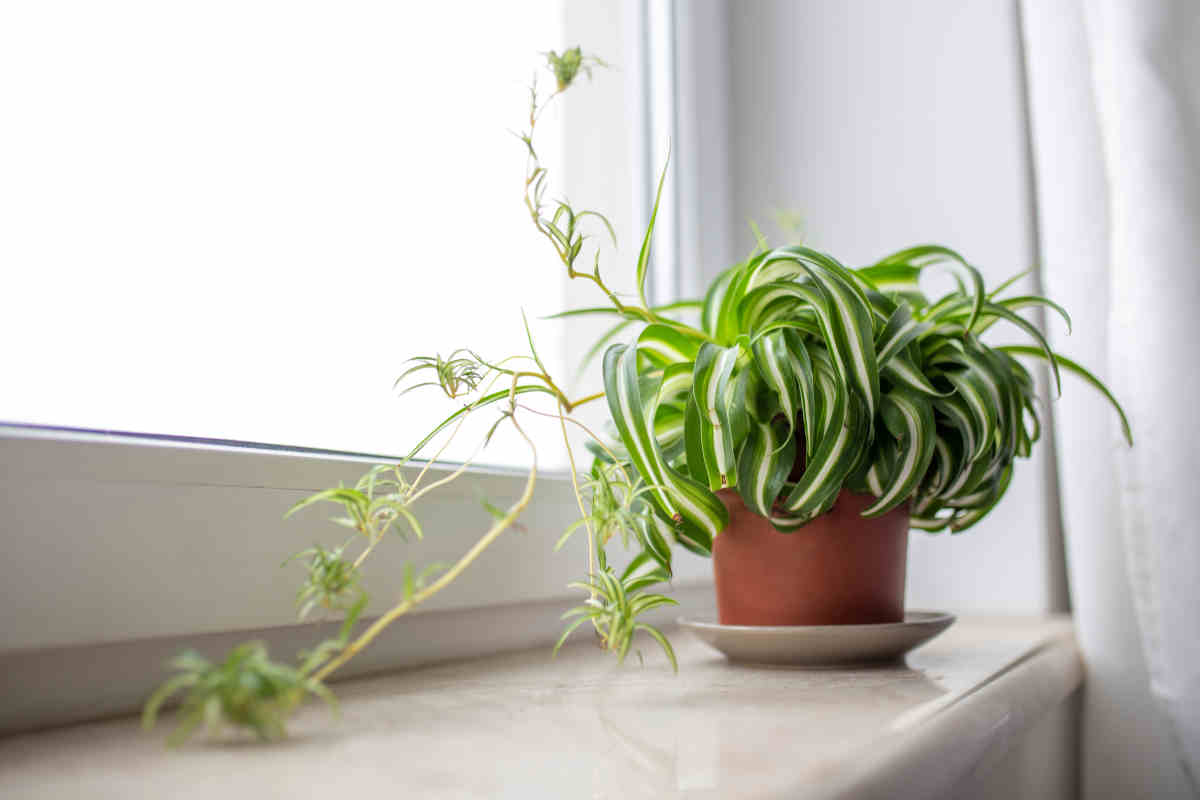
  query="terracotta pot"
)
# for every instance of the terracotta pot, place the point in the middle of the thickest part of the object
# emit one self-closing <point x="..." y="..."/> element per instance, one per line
<point x="839" y="569"/>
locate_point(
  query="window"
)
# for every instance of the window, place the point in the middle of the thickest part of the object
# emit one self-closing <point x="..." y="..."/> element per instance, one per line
<point x="236" y="220"/>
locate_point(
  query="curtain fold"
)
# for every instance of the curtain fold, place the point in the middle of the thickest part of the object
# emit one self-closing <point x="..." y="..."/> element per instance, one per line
<point x="1114" y="97"/>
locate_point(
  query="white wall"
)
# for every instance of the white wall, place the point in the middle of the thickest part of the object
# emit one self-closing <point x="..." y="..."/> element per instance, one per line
<point x="889" y="124"/>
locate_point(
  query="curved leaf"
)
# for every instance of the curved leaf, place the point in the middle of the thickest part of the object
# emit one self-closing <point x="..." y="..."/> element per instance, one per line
<point x="714" y="366"/>
<point x="900" y="329"/>
<point x="910" y="413"/>
<point x="923" y="256"/>
<point x="832" y="461"/>
<point x="664" y="345"/>
<point x="697" y="513"/>
<point x="1081" y="372"/>
<point x="847" y="318"/>
<point x="764" y="464"/>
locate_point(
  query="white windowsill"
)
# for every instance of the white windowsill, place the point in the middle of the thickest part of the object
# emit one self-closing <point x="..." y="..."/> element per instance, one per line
<point x="523" y="725"/>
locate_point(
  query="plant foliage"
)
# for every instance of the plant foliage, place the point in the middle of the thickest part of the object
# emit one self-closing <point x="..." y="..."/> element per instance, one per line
<point x="802" y="378"/>
<point x="246" y="690"/>
<point x="871" y="385"/>
<point x="616" y="603"/>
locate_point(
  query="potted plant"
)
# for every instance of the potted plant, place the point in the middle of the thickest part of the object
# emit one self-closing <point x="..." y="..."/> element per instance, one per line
<point x="795" y="432"/>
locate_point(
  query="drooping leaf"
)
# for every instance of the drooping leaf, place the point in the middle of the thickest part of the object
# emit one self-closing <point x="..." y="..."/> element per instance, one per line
<point x="842" y="309"/>
<point x="665" y="346"/>
<point x="697" y="513"/>
<point x="832" y="460"/>
<point x="900" y="330"/>
<point x="924" y="256"/>
<point x="1081" y="372"/>
<point x="766" y="460"/>
<point x="911" y="414"/>
<point x="713" y="368"/>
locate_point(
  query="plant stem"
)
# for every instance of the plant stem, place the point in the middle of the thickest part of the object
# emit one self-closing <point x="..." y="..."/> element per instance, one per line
<point x="447" y="577"/>
<point x="583" y="400"/>
<point x="589" y="432"/>
<point x="587" y="524"/>
<point x="448" y="478"/>
<point x="363" y="555"/>
<point x="431" y="461"/>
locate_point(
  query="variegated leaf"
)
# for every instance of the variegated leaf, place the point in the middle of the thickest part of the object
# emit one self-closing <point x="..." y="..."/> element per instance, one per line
<point x="664" y="345"/>
<point x="910" y="416"/>
<point x="696" y="513"/>
<point x="714" y="366"/>
<point x="766" y="460"/>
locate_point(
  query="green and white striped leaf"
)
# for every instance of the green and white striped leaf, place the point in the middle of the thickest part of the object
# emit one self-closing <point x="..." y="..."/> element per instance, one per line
<point x="668" y="426"/>
<point x="1026" y="301"/>
<point x="696" y="512"/>
<point x="901" y="370"/>
<point x="805" y="372"/>
<point x="833" y="459"/>
<point x="653" y="533"/>
<point x="1000" y="312"/>
<point x="966" y="517"/>
<point x="900" y="330"/>
<point x="778" y="366"/>
<point x="664" y="345"/>
<point x="765" y="462"/>
<point x="1081" y="372"/>
<point x="693" y="432"/>
<point x="836" y="343"/>
<point x="714" y="366"/>
<point x="928" y="255"/>
<point x="898" y="280"/>
<point x="675" y="385"/>
<point x="842" y="309"/>
<point x="929" y="524"/>
<point x="980" y="406"/>
<point x="909" y="416"/>
<point x="714" y="300"/>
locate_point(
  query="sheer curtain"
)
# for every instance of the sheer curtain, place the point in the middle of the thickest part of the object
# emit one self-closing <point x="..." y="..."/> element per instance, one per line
<point x="1115" y="114"/>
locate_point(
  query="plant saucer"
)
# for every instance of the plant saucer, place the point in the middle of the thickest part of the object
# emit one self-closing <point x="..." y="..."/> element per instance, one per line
<point x="820" y="645"/>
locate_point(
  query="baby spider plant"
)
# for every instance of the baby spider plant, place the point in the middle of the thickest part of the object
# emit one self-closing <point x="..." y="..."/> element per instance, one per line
<point x="247" y="689"/>
<point x="616" y="602"/>
<point x="804" y="376"/>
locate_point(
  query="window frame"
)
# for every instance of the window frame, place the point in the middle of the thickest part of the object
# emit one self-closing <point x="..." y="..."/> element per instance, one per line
<point x="131" y="538"/>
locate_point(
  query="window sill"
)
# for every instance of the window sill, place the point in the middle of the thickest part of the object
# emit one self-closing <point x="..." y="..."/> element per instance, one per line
<point x="524" y="725"/>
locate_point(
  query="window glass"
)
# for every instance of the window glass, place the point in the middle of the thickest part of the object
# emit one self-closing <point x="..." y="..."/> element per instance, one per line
<point x="236" y="220"/>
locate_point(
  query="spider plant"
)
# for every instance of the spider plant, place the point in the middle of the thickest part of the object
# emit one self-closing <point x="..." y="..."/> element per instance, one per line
<point x="799" y="365"/>
<point x="853" y="373"/>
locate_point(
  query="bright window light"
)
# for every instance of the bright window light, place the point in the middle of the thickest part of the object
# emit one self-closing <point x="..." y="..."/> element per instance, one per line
<point x="236" y="220"/>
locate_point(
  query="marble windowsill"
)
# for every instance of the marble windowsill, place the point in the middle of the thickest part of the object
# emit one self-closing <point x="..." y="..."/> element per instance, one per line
<point x="522" y="725"/>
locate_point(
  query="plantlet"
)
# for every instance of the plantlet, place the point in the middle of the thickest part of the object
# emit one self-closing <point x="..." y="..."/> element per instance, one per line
<point x="246" y="690"/>
<point x="616" y="603"/>
<point x="802" y="377"/>
<point x="331" y="580"/>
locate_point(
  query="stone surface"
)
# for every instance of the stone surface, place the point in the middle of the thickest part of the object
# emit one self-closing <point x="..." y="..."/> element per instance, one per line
<point x="522" y="725"/>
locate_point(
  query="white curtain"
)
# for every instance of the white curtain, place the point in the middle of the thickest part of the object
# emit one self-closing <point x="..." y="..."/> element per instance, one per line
<point x="1114" y="90"/>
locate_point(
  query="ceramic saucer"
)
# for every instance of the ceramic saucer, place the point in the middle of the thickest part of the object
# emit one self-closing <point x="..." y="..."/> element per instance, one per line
<point x="820" y="645"/>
